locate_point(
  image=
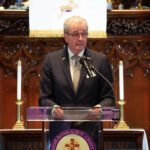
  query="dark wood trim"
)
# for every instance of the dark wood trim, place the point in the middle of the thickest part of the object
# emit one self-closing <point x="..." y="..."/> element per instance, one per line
<point x="112" y="139"/>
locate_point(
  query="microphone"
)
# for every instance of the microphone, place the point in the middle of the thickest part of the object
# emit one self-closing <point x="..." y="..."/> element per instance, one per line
<point x="85" y="62"/>
<point x="91" y="70"/>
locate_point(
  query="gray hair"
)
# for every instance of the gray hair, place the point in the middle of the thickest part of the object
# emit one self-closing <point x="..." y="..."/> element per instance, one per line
<point x="74" y="19"/>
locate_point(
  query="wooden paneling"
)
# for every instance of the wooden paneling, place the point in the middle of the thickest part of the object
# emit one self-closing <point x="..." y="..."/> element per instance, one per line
<point x="21" y="140"/>
<point x="134" y="52"/>
<point x="1" y="96"/>
<point x="137" y="95"/>
<point x="8" y="102"/>
<point x="119" y="22"/>
<point x="32" y="139"/>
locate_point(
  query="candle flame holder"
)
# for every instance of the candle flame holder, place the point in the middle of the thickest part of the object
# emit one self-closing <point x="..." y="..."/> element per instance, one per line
<point x="19" y="124"/>
<point x="121" y="124"/>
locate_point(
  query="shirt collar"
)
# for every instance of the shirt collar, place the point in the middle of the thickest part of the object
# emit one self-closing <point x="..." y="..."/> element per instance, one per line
<point x="70" y="53"/>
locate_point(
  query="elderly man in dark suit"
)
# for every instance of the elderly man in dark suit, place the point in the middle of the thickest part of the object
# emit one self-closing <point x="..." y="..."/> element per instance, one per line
<point x="57" y="87"/>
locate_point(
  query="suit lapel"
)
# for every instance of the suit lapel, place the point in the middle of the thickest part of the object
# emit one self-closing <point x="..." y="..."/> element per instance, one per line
<point x="64" y="62"/>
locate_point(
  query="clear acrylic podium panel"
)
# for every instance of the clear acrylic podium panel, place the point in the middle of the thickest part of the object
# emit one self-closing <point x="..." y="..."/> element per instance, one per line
<point x="79" y="135"/>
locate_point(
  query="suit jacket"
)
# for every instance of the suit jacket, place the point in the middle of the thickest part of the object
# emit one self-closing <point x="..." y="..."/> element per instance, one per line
<point x="56" y="87"/>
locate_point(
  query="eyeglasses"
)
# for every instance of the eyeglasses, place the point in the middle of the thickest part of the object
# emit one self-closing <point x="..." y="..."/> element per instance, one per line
<point x="77" y="35"/>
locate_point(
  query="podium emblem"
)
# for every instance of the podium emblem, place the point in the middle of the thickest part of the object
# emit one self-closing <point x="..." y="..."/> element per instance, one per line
<point x="73" y="139"/>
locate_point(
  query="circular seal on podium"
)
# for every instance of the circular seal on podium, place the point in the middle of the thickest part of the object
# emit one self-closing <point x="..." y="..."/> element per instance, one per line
<point x="73" y="139"/>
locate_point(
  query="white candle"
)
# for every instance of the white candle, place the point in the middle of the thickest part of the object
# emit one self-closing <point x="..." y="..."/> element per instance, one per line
<point x="121" y="81"/>
<point x="19" y="75"/>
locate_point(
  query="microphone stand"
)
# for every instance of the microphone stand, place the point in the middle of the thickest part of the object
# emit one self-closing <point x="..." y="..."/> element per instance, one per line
<point x="91" y="70"/>
<point x="100" y="74"/>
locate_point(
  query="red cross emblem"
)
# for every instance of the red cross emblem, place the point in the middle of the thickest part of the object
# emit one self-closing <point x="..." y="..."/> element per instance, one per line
<point x="72" y="144"/>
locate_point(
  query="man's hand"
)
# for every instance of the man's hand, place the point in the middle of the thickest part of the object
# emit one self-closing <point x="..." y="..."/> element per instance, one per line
<point x="97" y="109"/>
<point x="95" y="113"/>
<point x="58" y="113"/>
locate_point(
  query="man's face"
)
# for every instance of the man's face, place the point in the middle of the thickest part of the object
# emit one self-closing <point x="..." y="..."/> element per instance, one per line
<point x="76" y="37"/>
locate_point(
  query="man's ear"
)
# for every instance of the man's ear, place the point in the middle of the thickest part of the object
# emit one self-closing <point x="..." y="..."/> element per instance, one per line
<point x="65" y="37"/>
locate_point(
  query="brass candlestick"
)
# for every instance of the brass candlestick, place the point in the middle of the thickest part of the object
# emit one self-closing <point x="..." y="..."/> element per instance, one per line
<point x="140" y="5"/>
<point x="121" y="124"/>
<point x="19" y="124"/>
